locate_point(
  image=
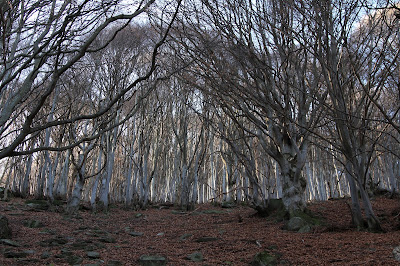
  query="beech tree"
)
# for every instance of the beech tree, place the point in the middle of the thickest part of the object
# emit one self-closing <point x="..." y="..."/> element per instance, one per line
<point x="223" y="101"/>
<point x="353" y="62"/>
<point x="249" y="59"/>
<point x="41" y="40"/>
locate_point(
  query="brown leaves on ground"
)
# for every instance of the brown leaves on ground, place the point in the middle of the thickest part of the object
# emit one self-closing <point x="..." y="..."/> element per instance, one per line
<point x="223" y="236"/>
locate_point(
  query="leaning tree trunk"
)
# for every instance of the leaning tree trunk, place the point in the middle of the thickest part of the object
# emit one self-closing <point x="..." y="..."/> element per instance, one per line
<point x="356" y="186"/>
<point x="372" y="221"/>
<point x="355" y="208"/>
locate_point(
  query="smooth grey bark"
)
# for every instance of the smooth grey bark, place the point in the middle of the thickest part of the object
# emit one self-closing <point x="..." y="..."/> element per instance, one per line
<point x="224" y="172"/>
<point x="238" y="181"/>
<point x="355" y="208"/>
<point x="391" y="168"/>
<point x="213" y="175"/>
<point x="46" y="177"/>
<point x="106" y="180"/>
<point x="62" y="181"/>
<point x="24" y="189"/>
<point x="79" y="175"/>
<point x="130" y="188"/>
<point x="51" y="178"/>
<point x="98" y="177"/>
<point x="75" y="198"/>
<point x="144" y="170"/>
<point x="40" y="179"/>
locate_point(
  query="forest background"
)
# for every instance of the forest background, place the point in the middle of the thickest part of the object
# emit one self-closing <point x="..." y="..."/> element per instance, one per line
<point x="189" y="102"/>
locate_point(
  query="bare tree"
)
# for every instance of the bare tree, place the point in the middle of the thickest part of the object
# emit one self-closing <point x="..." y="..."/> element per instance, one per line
<point x="41" y="41"/>
<point x="250" y="59"/>
<point x="357" y="63"/>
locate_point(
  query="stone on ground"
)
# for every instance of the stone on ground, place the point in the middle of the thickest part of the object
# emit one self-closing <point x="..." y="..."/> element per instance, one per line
<point x="33" y="224"/>
<point x="185" y="236"/>
<point x="396" y="253"/>
<point x="38" y="205"/>
<point x="9" y="242"/>
<point x="295" y="224"/>
<point x="5" y="230"/>
<point x="114" y="263"/>
<point x="93" y="254"/>
<point x="206" y="239"/>
<point x="264" y="258"/>
<point x="152" y="260"/>
<point x="136" y="233"/>
<point x="195" y="257"/>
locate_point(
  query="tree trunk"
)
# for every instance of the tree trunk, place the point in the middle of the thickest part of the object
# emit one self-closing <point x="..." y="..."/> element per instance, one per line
<point x="25" y="183"/>
<point x="293" y="183"/>
<point x="355" y="208"/>
<point x="73" y="203"/>
<point x="76" y="195"/>
<point x="105" y="183"/>
<point x="372" y="221"/>
<point x="129" y="183"/>
<point x="62" y="182"/>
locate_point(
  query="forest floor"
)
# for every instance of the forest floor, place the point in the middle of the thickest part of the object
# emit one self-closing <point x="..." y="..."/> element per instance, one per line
<point x="220" y="236"/>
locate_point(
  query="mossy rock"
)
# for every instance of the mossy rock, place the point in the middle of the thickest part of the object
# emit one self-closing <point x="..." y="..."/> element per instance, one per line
<point x="9" y="242"/>
<point x="309" y="217"/>
<point x="185" y="236"/>
<point x="264" y="258"/>
<point x="228" y="204"/>
<point x="152" y="260"/>
<point x="38" y="204"/>
<point x="396" y="253"/>
<point x="74" y="260"/>
<point x="54" y="242"/>
<point x="15" y="254"/>
<point x="295" y="224"/>
<point x="107" y="239"/>
<point x="213" y="212"/>
<point x="114" y="263"/>
<point x="58" y="202"/>
<point x="33" y="224"/>
<point x="303" y="221"/>
<point x="305" y="229"/>
<point x="275" y="205"/>
<point x="93" y="254"/>
<point x="206" y="239"/>
<point x="37" y="201"/>
<point x="5" y="229"/>
<point x="275" y="209"/>
<point x="45" y="255"/>
<point x="178" y="212"/>
<point x="195" y="257"/>
<point x="82" y="244"/>
<point x="136" y="233"/>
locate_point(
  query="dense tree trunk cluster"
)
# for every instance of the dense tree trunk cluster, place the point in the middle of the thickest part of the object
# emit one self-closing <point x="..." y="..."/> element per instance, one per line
<point x="189" y="102"/>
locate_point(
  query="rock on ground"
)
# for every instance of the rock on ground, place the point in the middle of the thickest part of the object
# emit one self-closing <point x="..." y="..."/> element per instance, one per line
<point x="396" y="253"/>
<point x="5" y="230"/>
<point x="295" y="224"/>
<point x="152" y="260"/>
